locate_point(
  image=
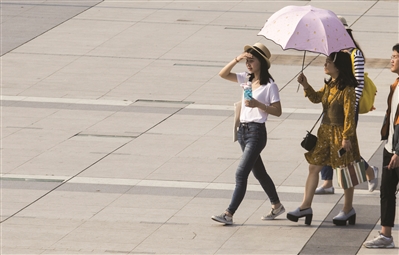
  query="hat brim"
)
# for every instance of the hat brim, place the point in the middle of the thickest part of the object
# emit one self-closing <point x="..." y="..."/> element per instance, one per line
<point x="246" y="47"/>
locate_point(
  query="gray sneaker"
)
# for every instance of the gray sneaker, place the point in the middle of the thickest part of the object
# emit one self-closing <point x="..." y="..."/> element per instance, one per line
<point x="274" y="213"/>
<point x="380" y="242"/>
<point x="223" y="218"/>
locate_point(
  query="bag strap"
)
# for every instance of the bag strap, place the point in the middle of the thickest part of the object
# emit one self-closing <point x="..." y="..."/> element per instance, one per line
<point x="322" y="114"/>
<point x="316" y="122"/>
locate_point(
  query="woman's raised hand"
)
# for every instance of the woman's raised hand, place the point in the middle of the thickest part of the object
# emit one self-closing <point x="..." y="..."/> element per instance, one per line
<point x="303" y="80"/>
<point x="244" y="55"/>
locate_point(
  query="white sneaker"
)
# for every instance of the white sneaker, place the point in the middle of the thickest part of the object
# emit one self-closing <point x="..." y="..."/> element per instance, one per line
<point x="223" y="218"/>
<point x="380" y="242"/>
<point x="274" y="213"/>
<point x="320" y="190"/>
<point x="374" y="182"/>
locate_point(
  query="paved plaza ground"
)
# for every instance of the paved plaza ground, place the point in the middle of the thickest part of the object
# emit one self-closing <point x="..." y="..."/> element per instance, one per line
<point x="116" y="130"/>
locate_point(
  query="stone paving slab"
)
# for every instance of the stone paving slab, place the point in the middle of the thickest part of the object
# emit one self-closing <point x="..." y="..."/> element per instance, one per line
<point x="116" y="129"/>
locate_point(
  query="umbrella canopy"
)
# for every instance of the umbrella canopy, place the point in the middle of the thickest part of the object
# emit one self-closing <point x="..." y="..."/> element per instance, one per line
<point x="307" y="28"/>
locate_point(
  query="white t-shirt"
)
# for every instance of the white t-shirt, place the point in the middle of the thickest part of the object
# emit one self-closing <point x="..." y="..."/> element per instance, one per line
<point x="266" y="94"/>
<point x="394" y="102"/>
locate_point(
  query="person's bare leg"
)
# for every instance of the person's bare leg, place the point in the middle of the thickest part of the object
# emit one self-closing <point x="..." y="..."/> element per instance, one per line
<point x="327" y="184"/>
<point x="348" y="200"/>
<point x="370" y="173"/>
<point x="310" y="186"/>
<point x="386" y="231"/>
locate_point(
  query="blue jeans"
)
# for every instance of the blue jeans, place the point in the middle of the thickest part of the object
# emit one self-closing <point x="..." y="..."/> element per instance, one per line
<point x="252" y="137"/>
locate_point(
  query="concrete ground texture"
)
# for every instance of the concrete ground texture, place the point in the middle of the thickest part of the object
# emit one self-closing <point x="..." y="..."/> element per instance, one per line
<point x="116" y="130"/>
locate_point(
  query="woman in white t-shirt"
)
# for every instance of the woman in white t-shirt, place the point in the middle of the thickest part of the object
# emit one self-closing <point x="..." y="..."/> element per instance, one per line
<point x="257" y="103"/>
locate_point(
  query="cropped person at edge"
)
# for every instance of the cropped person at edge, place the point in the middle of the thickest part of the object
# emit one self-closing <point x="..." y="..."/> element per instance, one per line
<point x="252" y="135"/>
<point x="390" y="162"/>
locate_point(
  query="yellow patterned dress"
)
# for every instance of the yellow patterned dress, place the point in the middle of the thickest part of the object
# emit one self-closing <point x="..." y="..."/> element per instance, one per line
<point x="338" y="123"/>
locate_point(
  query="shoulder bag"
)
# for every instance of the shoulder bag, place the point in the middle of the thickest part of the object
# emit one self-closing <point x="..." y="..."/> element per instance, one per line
<point x="310" y="140"/>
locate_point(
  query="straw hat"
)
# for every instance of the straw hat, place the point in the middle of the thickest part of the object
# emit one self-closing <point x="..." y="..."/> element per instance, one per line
<point x="262" y="50"/>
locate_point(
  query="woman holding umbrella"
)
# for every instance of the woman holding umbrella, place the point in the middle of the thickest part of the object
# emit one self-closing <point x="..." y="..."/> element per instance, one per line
<point x="337" y="131"/>
<point x="257" y="103"/>
<point x="358" y="68"/>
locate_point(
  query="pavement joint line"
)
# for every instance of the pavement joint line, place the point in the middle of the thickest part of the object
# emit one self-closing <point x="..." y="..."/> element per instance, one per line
<point x="67" y="100"/>
<point x="117" y="252"/>
<point x="30" y="179"/>
<point x="164" y="101"/>
<point x="183" y="9"/>
<point x="108" y="136"/>
<point x="177" y="64"/>
<point x="190" y="105"/>
<point x="243" y="28"/>
<point x="34" y="128"/>
<point x="46" y="4"/>
<point x="277" y="60"/>
<point x="163" y="183"/>
<point x="164" y="223"/>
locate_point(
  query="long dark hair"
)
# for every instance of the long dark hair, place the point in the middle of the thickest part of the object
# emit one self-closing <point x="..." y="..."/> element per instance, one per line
<point x="265" y="76"/>
<point x="356" y="44"/>
<point x="343" y="63"/>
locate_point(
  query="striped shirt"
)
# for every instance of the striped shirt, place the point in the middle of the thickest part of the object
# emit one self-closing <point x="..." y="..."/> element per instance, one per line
<point x="358" y="67"/>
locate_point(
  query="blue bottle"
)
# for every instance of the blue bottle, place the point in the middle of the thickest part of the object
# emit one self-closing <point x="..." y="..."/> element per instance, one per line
<point x="248" y="91"/>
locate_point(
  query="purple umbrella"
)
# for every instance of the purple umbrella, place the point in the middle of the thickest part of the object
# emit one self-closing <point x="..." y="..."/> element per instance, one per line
<point x="307" y="28"/>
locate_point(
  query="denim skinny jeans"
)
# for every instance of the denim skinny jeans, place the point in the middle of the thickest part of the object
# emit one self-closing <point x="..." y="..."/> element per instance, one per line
<point x="252" y="137"/>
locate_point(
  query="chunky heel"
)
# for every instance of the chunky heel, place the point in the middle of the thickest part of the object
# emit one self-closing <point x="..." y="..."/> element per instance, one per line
<point x="308" y="219"/>
<point x="295" y="215"/>
<point x="342" y="218"/>
<point x="352" y="220"/>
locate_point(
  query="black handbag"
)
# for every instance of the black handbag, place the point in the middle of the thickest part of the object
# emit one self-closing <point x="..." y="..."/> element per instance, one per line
<point x="310" y="140"/>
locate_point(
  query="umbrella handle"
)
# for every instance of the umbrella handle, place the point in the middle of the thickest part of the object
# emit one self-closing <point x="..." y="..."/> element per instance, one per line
<point x="303" y="63"/>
